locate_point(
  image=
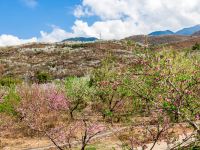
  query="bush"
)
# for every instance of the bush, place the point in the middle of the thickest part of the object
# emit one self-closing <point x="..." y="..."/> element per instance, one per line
<point x="78" y="45"/>
<point x="9" y="81"/>
<point x="9" y="102"/>
<point x="196" y="47"/>
<point x="43" y="77"/>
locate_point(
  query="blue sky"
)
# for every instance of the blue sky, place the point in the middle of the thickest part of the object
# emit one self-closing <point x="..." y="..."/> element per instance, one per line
<point x="25" y="21"/>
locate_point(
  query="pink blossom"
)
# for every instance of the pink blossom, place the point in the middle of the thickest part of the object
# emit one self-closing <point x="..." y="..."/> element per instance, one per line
<point x="197" y="117"/>
<point x="57" y="99"/>
<point x="160" y="110"/>
<point x="188" y="92"/>
<point x="168" y="100"/>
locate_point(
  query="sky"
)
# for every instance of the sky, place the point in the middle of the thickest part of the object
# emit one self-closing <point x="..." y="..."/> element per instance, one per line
<point x="24" y="21"/>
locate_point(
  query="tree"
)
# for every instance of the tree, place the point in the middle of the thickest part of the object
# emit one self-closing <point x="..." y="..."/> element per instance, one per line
<point x="41" y="107"/>
<point x="79" y="93"/>
<point x="111" y="96"/>
<point x="89" y="131"/>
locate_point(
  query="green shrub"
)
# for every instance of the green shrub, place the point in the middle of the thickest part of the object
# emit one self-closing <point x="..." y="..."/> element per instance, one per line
<point x="10" y="101"/>
<point x="196" y="47"/>
<point x="78" y="45"/>
<point x="43" y="77"/>
<point x="9" y="81"/>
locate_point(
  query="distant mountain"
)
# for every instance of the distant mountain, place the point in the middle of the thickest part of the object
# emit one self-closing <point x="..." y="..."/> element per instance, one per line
<point x="158" y="33"/>
<point x="188" y="31"/>
<point x="196" y="33"/>
<point x="184" y="31"/>
<point x="81" y="39"/>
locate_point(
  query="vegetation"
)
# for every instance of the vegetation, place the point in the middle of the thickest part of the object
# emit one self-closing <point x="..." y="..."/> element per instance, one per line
<point x="9" y="81"/>
<point x="81" y="45"/>
<point x="196" y="47"/>
<point x="43" y="77"/>
<point x="159" y="93"/>
<point x="9" y="100"/>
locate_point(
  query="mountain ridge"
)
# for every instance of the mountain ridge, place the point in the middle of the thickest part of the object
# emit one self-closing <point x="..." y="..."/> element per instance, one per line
<point x="185" y="31"/>
<point x="158" y="33"/>
<point x="188" y="30"/>
<point x="81" y="39"/>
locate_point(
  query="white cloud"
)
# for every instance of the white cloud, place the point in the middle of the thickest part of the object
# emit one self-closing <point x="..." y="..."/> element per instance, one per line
<point x="110" y="29"/>
<point x="30" y="3"/>
<point x="56" y="35"/>
<point x="81" y="11"/>
<point x="120" y="18"/>
<point x="8" y="40"/>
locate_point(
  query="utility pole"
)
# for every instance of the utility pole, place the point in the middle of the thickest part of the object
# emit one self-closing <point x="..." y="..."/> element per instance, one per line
<point x="146" y="45"/>
<point x="100" y="40"/>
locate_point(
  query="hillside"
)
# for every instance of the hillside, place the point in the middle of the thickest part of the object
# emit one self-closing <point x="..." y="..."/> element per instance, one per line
<point x="196" y="33"/>
<point x="62" y="60"/>
<point x="59" y="60"/>
<point x="184" y="44"/>
<point x="157" y="40"/>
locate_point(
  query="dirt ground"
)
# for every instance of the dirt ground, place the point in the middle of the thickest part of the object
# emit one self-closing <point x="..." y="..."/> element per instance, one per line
<point x="105" y="141"/>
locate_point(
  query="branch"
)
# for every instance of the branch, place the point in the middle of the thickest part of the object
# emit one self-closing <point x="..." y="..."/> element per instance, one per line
<point x="185" y="140"/>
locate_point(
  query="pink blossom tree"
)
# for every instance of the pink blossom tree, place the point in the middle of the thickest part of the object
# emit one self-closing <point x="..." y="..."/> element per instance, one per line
<point x="41" y="107"/>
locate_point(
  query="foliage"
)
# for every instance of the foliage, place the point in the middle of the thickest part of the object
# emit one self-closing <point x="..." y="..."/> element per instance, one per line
<point x="42" y="77"/>
<point x="196" y="47"/>
<point x="41" y="105"/>
<point x="79" y="92"/>
<point x="111" y="94"/>
<point x="9" y="100"/>
<point x="81" y="45"/>
<point x="9" y="81"/>
<point x="162" y="87"/>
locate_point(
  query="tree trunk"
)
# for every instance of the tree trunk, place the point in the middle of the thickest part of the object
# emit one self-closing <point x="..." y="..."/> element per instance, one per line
<point x="176" y="116"/>
<point x="83" y="147"/>
<point x="71" y="115"/>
